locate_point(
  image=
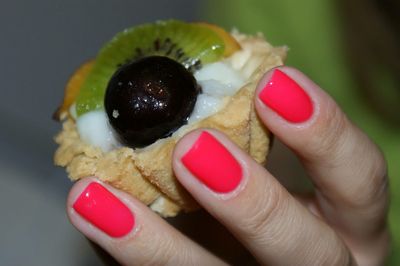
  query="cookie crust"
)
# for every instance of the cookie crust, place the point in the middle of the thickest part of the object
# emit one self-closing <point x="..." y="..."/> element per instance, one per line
<point x="147" y="173"/>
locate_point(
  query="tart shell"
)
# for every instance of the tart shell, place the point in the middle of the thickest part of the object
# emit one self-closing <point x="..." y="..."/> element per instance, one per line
<point x="147" y="173"/>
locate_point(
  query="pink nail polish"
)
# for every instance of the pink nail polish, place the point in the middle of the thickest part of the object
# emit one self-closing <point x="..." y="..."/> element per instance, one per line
<point x="210" y="162"/>
<point x="283" y="95"/>
<point x="104" y="210"/>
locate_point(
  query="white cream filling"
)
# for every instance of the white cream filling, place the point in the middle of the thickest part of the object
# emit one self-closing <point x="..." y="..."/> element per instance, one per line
<point x="93" y="128"/>
<point x="217" y="80"/>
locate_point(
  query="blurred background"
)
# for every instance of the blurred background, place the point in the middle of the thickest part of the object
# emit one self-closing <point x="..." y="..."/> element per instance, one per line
<point x="350" y="48"/>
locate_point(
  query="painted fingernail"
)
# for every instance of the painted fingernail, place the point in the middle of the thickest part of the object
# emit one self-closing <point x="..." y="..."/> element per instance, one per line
<point x="104" y="210"/>
<point x="283" y="95"/>
<point x="210" y="162"/>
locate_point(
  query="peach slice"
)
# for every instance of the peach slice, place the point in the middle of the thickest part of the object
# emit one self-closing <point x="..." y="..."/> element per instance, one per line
<point x="231" y="45"/>
<point x="72" y="88"/>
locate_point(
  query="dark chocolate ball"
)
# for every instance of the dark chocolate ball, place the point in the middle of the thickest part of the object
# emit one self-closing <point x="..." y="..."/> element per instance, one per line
<point x="149" y="99"/>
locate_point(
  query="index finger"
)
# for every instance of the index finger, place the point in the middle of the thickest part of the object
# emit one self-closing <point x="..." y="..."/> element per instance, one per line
<point x="346" y="167"/>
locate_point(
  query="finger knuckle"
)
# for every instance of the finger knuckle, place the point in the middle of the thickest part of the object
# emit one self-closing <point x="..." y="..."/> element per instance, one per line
<point x="161" y="252"/>
<point x="379" y="171"/>
<point x="340" y="258"/>
<point x="173" y="250"/>
<point x="265" y="209"/>
<point x="328" y="135"/>
<point x="331" y="250"/>
<point x="373" y="188"/>
<point x="368" y="172"/>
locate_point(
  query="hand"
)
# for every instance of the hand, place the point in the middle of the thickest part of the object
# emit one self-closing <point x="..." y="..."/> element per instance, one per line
<point x="343" y="223"/>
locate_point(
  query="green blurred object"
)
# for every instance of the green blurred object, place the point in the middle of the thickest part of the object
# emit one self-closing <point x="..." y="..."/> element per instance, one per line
<point x="312" y="31"/>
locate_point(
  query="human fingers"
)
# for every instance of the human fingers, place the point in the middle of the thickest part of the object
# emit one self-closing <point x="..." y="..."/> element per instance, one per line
<point x="128" y="230"/>
<point x="346" y="167"/>
<point x="250" y="202"/>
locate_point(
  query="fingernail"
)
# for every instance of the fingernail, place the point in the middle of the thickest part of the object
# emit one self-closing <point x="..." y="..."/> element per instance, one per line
<point x="283" y="95"/>
<point x="104" y="210"/>
<point x="211" y="163"/>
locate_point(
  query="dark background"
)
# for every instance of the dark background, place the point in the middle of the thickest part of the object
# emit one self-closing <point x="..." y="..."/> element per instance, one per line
<point x="41" y="44"/>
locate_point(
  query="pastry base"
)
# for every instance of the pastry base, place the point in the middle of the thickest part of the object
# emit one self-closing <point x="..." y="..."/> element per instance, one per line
<point x="147" y="173"/>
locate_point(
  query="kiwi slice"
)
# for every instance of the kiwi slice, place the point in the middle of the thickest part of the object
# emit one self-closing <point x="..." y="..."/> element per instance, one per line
<point x="189" y="44"/>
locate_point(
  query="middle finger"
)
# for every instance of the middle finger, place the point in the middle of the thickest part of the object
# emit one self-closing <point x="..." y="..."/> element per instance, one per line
<point x="252" y="204"/>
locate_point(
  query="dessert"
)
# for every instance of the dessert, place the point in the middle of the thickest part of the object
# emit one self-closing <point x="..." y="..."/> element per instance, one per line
<point x="124" y="111"/>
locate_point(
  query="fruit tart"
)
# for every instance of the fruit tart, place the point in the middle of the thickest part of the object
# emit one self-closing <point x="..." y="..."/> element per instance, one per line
<point x="124" y="111"/>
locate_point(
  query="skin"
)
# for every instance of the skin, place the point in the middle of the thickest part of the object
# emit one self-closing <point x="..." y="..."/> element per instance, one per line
<point x="342" y="223"/>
